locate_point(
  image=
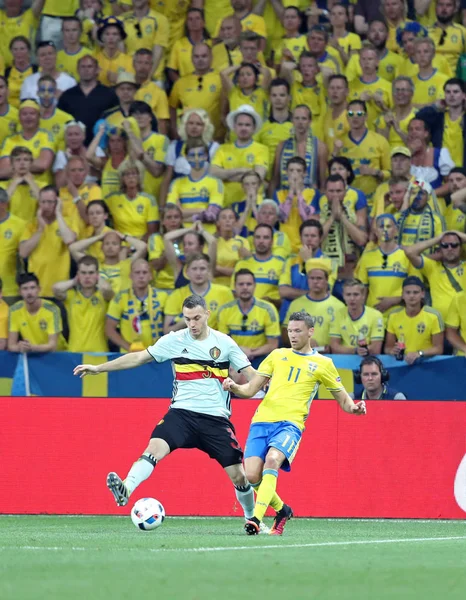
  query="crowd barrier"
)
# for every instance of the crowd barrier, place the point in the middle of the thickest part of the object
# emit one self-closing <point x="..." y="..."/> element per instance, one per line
<point x="52" y="375"/>
<point x="403" y="459"/>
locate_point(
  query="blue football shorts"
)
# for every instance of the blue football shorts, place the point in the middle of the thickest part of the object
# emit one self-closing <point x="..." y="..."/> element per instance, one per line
<point x="282" y="435"/>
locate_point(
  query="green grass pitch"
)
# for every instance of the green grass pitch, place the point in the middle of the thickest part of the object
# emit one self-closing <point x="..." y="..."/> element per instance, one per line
<point x="97" y="558"/>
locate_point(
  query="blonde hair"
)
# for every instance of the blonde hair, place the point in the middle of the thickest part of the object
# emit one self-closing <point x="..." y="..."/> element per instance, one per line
<point x="208" y="132"/>
<point x="128" y="165"/>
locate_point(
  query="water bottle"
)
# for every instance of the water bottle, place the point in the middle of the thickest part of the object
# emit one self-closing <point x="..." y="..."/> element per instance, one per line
<point x="362" y="342"/>
<point x="401" y="347"/>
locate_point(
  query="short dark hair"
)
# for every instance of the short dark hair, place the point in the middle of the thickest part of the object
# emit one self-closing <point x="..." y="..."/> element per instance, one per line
<point x="454" y="170"/>
<point x="338" y="75"/>
<point x="143" y="52"/>
<point x="49" y="188"/>
<point x="371" y="360"/>
<point x="264" y="225"/>
<point x="197" y="256"/>
<point x="297" y="160"/>
<point x="303" y="316"/>
<point x="24" y="278"/>
<point x="141" y="107"/>
<point x="334" y="179"/>
<point x="101" y="203"/>
<point x="193" y="301"/>
<point x="311" y="223"/>
<point x="89" y="261"/>
<point x="278" y="81"/>
<point x="344" y="162"/>
<point x="72" y="19"/>
<point x="455" y="81"/>
<point x="244" y="272"/>
<point x="306" y="107"/>
<point x="21" y="38"/>
<point x="357" y="101"/>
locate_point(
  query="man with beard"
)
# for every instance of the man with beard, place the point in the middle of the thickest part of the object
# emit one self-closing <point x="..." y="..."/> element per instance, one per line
<point x="389" y="62"/>
<point x="449" y="37"/>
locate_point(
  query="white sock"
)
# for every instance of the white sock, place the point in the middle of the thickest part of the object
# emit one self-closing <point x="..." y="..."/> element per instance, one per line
<point x="245" y="496"/>
<point x="140" y="471"/>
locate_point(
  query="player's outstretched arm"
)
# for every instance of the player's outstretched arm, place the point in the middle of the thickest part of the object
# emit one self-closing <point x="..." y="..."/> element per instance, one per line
<point x="246" y="390"/>
<point x="347" y="404"/>
<point x="127" y="361"/>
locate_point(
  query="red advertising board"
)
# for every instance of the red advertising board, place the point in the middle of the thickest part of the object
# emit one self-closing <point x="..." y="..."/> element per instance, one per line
<point x="401" y="460"/>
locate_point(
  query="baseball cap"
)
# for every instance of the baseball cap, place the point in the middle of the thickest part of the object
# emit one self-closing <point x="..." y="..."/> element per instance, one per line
<point x="413" y="280"/>
<point x="401" y="150"/>
<point x="126" y="78"/>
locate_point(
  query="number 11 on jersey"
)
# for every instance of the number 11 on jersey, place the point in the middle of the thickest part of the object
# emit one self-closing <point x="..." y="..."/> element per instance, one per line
<point x="290" y="375"/>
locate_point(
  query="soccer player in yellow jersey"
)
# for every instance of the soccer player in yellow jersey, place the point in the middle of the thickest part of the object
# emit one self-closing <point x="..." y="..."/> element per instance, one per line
<point x="34" y="324"/>
<point x="368" y="152"/>
<point x="333" y="123"/>
<point x="38" y="141"/>
<point x="67" y="59"/>
<point x="384" y="268"/>
<point x="199" y="195"/>
<point x="295" y="375"/>
<point x="232" y="161"/>
<point x="200" y="89"/>
<point x="85" y="298"/>
<point x="52" y="119"/>
<point x="456" y="323"/>
<point x="137" y="311"/>
<point x="9" y="117"/>
<point x="22" y="188"/>
<point x="45" y="241"/>
<point x="15" y="21"/>
<point x="111" y="60"/>
<point x="199" y="273"/>
<point x="357" y="328"/>
<point x="265" y="267"/>
<point x="416" y="329"/>
<point x="11" y="231"/>
<point x="446" y="276"/>
<point x="448" y="36"/>
<point x="428" y="82"/>
<point x="149" y="91"/>
<point x="393" y="125"/>
<point x="252" y="323"/>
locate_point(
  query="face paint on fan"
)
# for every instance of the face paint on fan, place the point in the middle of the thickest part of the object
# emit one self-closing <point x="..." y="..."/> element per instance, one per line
<point x="197" y="158"/>
<point x="386" y="227"/>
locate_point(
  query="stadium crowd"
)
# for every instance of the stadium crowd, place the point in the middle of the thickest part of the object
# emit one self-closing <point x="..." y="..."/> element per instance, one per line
<point x="272" y="156"/>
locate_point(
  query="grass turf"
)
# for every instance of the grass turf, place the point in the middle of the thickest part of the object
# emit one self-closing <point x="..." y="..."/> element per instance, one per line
<point x="96" y="558"/>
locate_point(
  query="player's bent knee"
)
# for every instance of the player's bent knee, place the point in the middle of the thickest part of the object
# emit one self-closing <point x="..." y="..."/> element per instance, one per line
<point x="274" y="459"/>
<point x="237" y="475"/>
<point x="158" y="448"/>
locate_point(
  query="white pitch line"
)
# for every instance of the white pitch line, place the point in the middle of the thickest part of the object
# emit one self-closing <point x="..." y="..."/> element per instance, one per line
<point x="50" y="548"/>
<point x="313" y="545"/>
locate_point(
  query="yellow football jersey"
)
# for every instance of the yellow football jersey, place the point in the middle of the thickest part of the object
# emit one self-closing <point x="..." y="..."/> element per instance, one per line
<point x="455" y="219"/>
<point x="180" y="56"/>
<point x="428" y="91"/>
<point x="199" y="91"/>
<point x="191" y="194"/>
<point x="119" y="63"/>
<point x="411" y="69"/>
<point x="441" y="288"/>
<point x="370" y="325"/>
<point x="323" y="311"/>
<point x="271" y="134"/>
<point x="131" y="216"/>
<point x="114" y="118"/>
<point x="333" y="129"/>
<point x="389" y="64"/>
<point x="383" y="274"/>
<point x="267" y="273"/>
<point x="294" y="383"/>
<point x="372" y="150"/>
<point x="3" y="320"/>
<point x="55" y="125"/>
<point x="312" y="96"/>
<point x="453" y="138"/>
<point x="291" y="227"/>
<point x="216" y="296"/>
<point x="417" y="331"/>
<point x="110" y="180"/>
<point x="215" y="10"/>
<point x="86" y="320"/>
<point x="50" y="259"/>
<point x="24" y="24"/>
<point x="11" y="231"/>
<point x="15" y="81"/>
<point x="139" y="321"/>
<point x="228" y="255"/>
<point x="456" y="316"/>
<point x="155" y="97"/>
<point x="88" y="192"/>
<point x="281" y="242"/>
<point x="69" y="62"/>
<point x="163" y="279"/>
<point x="95" y="249"/>
<point x="36" y="328"/>
<point x="61" y="8"/>
<point x="295" y="45"/>
<point x="232" y="156"/>
<point x="22" y="203"/>
<point x="9" y="123"/>
<point x="350" y="42"/>
<point x="223" y="57"/>
<point x="175" y="12"/>
<point x="378" y="86"/>
<point x="250" y="22"/>
<point x="156" y="145"/>
<point x="393" y="137"/>
<point x="251" y="329"/>
<point x="454" y="42"/>
<point x="153" y="31"/>
<point x="42" y="140"/>
<point x="117" y="275"/>
<point x="259" y="100"/>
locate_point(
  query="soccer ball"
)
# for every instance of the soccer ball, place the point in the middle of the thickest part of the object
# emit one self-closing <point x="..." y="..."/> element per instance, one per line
<point x="147" y="514"/>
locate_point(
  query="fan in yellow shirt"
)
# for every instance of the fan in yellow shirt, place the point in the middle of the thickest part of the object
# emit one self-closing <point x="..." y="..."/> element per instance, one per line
<point x="85" y="299"/>
<point x="456" y="323"/>
<point x="9" y="117"/>
<point x="149" y="91"/>
<point x="333" y="124"/>
<point x="52" y="119"/>
<point x="449" y="37"/>
<point x="415" y="328"/>
<point x="112" y="61"/>
<point x="230" y="247"/>
<point x="249" y="20"/>
<point x="357" y="328"/>
<point x="14" y="22"/>
<point x="310" y="90"/>
<point x="180" y="62"/>
<point x="198" y="271"/>
<point x="34" y="324"/>
<point x="11" y="231"/>
<point x="175" y="12"/>
<point x="137" y="311"/>
<point x="3" y="321"/>
<point x="68" y="58"/>
<point x="22" y="189"/>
